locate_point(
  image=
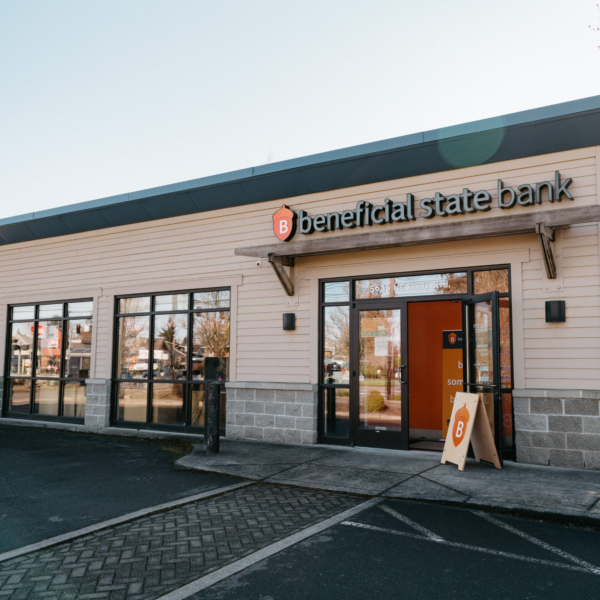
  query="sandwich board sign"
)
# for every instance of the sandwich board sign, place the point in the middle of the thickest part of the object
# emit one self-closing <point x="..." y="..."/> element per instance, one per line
<point x="469" y="424"/>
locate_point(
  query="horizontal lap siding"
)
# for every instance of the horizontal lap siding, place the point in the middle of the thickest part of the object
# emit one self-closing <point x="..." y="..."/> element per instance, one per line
<point x="200" y="247"/>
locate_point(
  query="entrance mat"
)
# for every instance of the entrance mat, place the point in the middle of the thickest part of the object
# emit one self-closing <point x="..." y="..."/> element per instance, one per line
<point x="339" y="478"/>
<point x="423" y="489"/>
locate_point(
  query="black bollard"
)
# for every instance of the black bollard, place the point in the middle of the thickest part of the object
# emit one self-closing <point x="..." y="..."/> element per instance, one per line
<point x="213" y="413"/>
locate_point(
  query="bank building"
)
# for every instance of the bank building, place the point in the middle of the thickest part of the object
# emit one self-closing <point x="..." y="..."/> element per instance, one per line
<point x="341" y="298"/>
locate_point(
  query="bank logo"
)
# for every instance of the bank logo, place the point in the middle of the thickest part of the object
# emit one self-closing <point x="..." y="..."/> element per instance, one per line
<point x="284" y="223"/>
<point x="460" y="425"/>
<point x="452" y="337"/>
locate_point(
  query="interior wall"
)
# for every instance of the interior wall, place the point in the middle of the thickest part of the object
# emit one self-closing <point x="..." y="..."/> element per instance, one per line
<point x="426" y="322"/>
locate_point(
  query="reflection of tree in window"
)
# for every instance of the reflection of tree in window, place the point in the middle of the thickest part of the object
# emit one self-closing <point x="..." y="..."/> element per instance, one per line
<point x="490" y="281"/>
<point x="170" y="344"/>
<point x="336" y="339"/>
<point x="211" y="340"/>
<point x="452" y="283"/>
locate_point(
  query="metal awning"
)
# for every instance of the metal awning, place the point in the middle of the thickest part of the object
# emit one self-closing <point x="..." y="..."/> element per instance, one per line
<point x="542" y="223"/>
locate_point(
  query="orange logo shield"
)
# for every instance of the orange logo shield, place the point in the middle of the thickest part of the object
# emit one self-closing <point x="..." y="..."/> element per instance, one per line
<point x="460" y="425"/>
<point x="452" y="338"/>
<point x="284" y="223"/>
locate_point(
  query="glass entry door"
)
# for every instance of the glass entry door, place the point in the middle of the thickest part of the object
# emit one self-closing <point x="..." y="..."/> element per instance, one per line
<point x="481" y="332"/>
<point x="378" y="387"/>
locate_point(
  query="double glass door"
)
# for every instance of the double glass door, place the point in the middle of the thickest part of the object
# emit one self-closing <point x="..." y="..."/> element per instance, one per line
<point x="379" y="384"/>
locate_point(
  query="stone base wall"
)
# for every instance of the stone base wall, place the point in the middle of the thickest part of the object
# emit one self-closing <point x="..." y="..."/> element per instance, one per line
<point x="560" y="428"/>
<point x="272" y="412"/>
<point x="97" y="403"/>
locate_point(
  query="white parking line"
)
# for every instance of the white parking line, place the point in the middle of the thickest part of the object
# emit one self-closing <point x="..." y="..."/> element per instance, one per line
<point x="239" y="565"/>
<point x="537" y="561"/>
<point x="578" y="561"/>
<point x="429" y="534"/>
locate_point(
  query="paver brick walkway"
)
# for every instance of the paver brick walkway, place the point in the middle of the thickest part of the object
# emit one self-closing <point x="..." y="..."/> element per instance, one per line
<point x="149" y="557"/>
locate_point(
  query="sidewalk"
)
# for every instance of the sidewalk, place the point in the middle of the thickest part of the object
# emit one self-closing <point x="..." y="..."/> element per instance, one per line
<point x="546" y="492"/>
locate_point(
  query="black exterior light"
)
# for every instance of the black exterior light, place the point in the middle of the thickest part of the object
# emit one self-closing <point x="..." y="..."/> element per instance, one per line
<point x="289" y="321"/>
<point x="555" y="311"/>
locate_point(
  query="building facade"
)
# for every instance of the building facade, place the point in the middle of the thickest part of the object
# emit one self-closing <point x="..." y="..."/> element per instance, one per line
<point x="342" y="298"/>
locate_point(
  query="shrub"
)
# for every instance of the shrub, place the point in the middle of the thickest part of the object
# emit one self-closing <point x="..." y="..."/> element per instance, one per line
<point x="375" y="402"/>
<point x="343" y="393"/>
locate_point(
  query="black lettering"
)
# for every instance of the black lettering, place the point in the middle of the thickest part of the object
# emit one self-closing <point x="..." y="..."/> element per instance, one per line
<point x="439" y="205"/>
<point x="306" y="223"/>
<point x="388" y="210"/>
<point x="426" y="204"/>
<point x="538" y="191"/>
<point x="399" y="213"/>
<point x="505" y="190"/>
<point x="348" y="217"/>
<point x="368" y="214"/>
<point x="333" y="221"/>
<point x="466" y="198"/>
<point x="376" y="210"/>
<point x="360" y="209"/>
<point x="559" y="190"/>
<point x="410" y="207"/>
<point x="454" y="206"/>
<point x="525" y="197"/>
<point x="481" y="201"/>
<point x="319" y="223"/>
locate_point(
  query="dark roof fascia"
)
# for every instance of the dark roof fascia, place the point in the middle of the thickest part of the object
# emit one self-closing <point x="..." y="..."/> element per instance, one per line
<point x="556" y="128"/>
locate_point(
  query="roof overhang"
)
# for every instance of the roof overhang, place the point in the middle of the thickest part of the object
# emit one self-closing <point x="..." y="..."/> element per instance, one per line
<point x="556" y="128"/>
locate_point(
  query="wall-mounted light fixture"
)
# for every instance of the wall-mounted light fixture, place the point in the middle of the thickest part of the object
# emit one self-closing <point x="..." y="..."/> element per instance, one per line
<point x="289" y="321"/>
<point x="555" y="311"/>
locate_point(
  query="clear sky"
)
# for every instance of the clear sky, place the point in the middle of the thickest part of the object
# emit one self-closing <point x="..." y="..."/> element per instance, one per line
<point x="113" y="96"/>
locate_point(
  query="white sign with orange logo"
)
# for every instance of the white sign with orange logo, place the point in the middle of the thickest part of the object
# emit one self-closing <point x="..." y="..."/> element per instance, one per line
<point x="469" y="424"/>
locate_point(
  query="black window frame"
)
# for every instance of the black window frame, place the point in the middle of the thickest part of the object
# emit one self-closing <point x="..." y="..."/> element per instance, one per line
<point x="65" y="318"/>
<point x="190" y="311"/>
<point x="508" y="453"/>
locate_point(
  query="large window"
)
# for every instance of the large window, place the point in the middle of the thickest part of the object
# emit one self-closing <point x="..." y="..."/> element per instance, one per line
<point x="167" y="347"/>
<point x="49" y="355"/>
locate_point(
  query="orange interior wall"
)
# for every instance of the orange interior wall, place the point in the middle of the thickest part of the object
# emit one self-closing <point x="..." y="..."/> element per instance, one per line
<point x="426" y="321"/>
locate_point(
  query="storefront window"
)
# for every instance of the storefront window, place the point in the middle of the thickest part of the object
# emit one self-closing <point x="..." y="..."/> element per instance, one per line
<point x="159" y="374"/>
<point x="419" y="285"/>
<point x="490" y="281"/>
<point x="337" y="291"/>
<point x="336" y="344"/>
<point x="46" y="372"/>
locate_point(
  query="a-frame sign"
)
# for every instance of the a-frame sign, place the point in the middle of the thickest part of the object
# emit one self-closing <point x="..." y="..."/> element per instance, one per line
<point x="469" y="424"/>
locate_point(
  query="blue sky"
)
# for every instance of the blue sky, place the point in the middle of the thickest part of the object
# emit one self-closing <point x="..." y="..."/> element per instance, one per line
<point x="107" y="97"/>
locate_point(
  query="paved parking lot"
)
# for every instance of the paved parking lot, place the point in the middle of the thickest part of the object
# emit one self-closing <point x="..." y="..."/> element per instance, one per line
<point x="52" y="482"/>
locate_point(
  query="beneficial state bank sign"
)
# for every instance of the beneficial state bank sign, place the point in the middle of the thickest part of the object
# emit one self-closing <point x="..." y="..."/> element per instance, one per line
<point x="286" y="221"/>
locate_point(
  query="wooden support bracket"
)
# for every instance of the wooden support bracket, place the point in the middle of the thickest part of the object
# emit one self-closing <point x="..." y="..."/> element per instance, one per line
<point x="278" y="262"/>
<point x="546" y="235"/>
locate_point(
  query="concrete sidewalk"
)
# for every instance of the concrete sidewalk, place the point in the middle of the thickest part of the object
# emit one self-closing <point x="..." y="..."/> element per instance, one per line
<point x="547" y="492"/>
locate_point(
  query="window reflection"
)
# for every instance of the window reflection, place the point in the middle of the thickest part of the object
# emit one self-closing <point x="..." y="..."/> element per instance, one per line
<point x="80" y="309"/>
<point x="49" y="344"/>
<point x="336" y="407"/>
<point x="45" y="401"/>
<point x="20" y="313"/>
<point x="74" y="399"/>
<point x="505" y="358"/>
<point x="337" y="291"/>
<point x="50" y="311"/>
<point x="490" y="281"/>
<point x="167" y="403"/>
<point x="418" y="285"/>
<point x="171" y="302"/>
<point x="214" y="299"/>
<point x="210" y="346"/>
<point x="132" y="398"/>
<point x="336" y="344"/>
<point x="21" y="348"/>
<point x="170" y="346"/>
<point x="482" y="332"/>
<point x="19" y="393"/>
<point x="78" y="352"/>
<point x="133" y="347"/>
<point x="134" y="305"/>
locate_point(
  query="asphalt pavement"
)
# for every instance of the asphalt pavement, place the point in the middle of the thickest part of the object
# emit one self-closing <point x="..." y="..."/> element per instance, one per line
<point x="376" y="554"/>
<point x="52" y="482"/>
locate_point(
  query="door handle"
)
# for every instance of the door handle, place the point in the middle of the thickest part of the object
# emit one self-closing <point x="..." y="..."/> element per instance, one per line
<point x="479" y="384"/>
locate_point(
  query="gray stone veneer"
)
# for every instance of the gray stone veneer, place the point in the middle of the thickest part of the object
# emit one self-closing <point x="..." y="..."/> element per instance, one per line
<point x="272" y="412"/>
<point x="97" y="403"/>
<point x="560" y="428"/>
